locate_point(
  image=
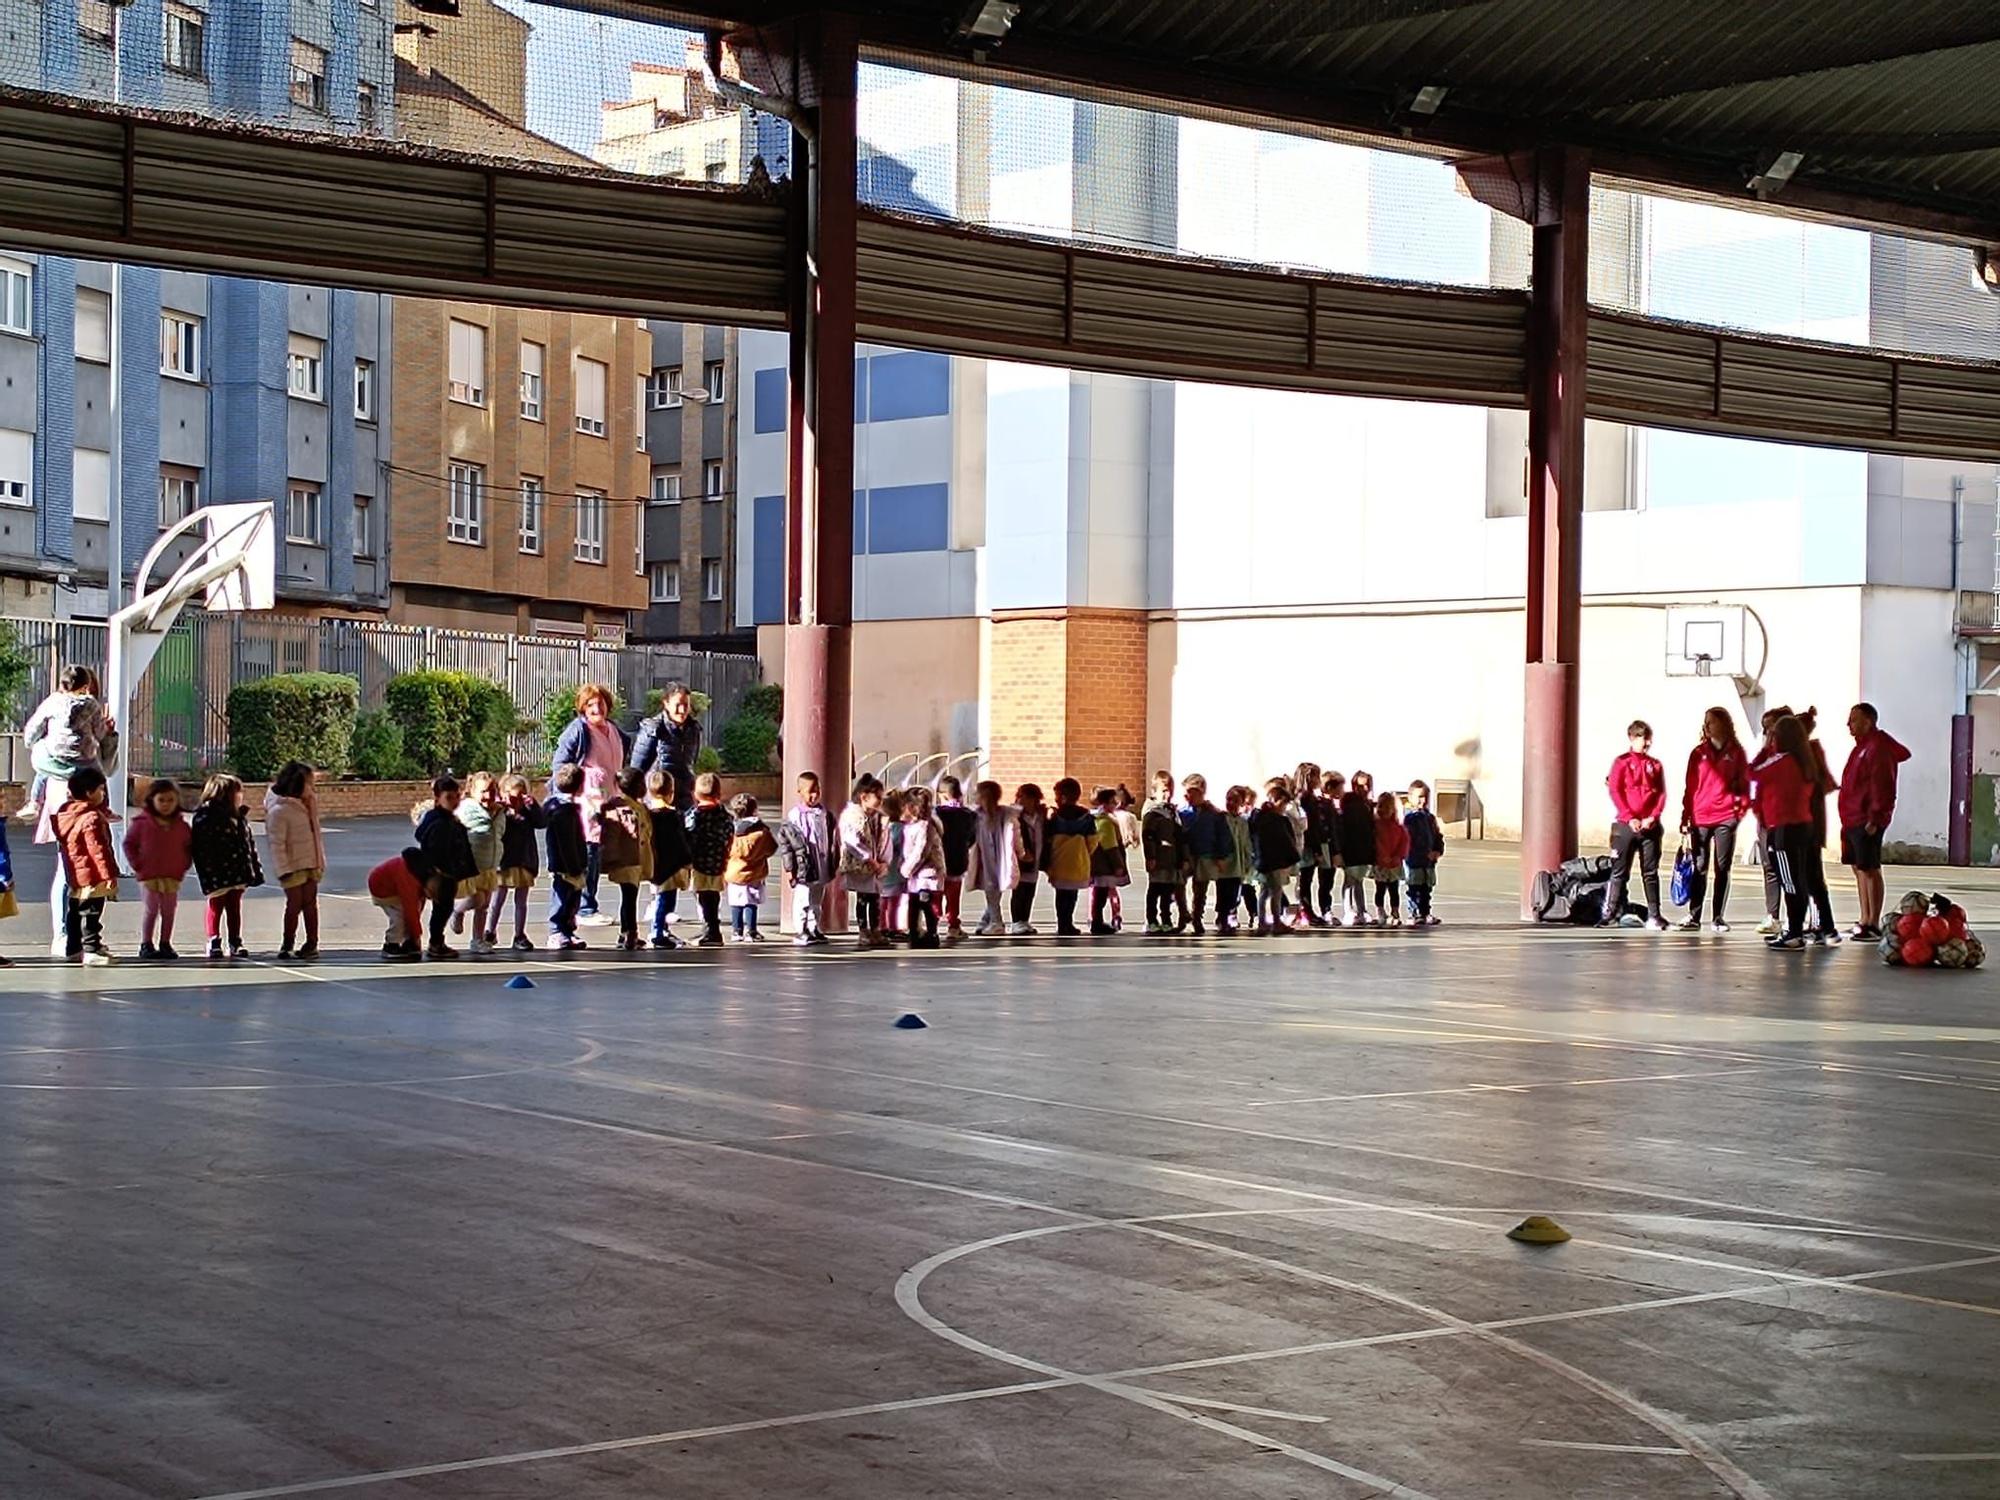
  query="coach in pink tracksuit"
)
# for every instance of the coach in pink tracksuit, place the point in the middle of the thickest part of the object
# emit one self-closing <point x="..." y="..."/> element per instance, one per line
<point x="1867" y="802"/>
<point x="1638" y="786"/>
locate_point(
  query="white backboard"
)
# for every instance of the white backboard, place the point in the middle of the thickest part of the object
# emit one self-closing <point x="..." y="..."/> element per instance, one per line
<point x="1705" y="640"/>
<point x="250" y="529"/>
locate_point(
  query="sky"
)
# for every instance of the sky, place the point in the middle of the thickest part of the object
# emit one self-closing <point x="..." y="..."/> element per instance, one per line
<point x="576" y="61"/>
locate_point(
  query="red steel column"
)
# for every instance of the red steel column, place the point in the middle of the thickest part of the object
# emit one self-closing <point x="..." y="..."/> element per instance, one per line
<point x="1558" y="335"/>
<point x="819" y="529"/>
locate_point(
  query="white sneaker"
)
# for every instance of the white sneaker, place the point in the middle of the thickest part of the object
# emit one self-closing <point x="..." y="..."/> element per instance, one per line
<point x="480" y="945"/>
<point x="1019" y="929"/>
<point x="1655" y="924"/>
<point x="59" y="948"/>
<point x="597" y="919"/>
<point x="1718" y="928"/>
<point x="1768" y="926"/>
<point x="97" y="960"/>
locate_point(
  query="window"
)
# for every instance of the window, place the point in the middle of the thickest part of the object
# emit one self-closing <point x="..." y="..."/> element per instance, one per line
<point x="665" y="582"/>
<point x="711" y="479"/>
<point x="666" y="489"/>
<point x="589" y="527"/>
<point x="468" y="363"/>
<point x="715" y="171"/>
<point x="303" y="520"/>
<point x="532" y="359"/>
<point x="180" y="346"/>
<point x="364" y="102"/>
<point x="711" y="578"/>
<point x="90" y="485"/>
<point x="639" y="547"/>
<point x="96" y="19"/>
<point x="531" y="515"/>
<point x="663" y="388"/>
<point x="180" y="493"/>
<point x="308" y="75"/>
<point x="590" y="375"/>
<point x="93" y="325"/>
<point x="364" y="390"/>
<point x="17" y="467"/>
<point x="183" y="50"/>
<point x="16" y="279"/>
<point x="306" y="377"/>
<point x="671" y="162"/>
<point x="364" y="526"/>
<point x="465" y="520"/>
<point x="711" y="379"/>
<point x="639" y="413"/>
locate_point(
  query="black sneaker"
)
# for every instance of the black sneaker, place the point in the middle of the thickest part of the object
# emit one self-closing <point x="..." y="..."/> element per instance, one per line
<point x="147" y="953"/>
<point x="166" y="952"/>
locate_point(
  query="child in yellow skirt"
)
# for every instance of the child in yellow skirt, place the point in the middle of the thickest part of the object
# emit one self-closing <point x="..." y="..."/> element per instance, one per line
<point x="710" y="831"/>
<point x="626" y="850"/>
<point x="520" y="818"/>
<point x="485" y="824"/>
<point x="298" y="853"/>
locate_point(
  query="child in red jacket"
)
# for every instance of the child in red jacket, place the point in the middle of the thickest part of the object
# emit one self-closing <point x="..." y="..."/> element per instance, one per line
<point x="1638" y="786"/>
<point x="1392" y="847"/>
<point x="399" y="886"/>
<point x="159" y="847"/>
<point x="83" y="828"/>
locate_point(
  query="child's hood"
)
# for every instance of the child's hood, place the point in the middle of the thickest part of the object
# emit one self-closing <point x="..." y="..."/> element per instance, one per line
<point x="744" y="826"/>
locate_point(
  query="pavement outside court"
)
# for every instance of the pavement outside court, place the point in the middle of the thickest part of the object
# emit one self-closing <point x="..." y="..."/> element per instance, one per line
<point x="1130" y="1218"/>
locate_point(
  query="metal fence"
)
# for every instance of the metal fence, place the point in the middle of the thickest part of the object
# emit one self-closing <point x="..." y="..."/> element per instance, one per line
<point x="180" y="725"/>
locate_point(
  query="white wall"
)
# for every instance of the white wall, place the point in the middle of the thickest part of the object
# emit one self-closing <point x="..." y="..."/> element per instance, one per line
<point x="1909" y="671"/>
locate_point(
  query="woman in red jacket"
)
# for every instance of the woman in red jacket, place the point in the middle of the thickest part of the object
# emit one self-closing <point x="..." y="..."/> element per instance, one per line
<point x="1714" y="798"/>
<point x="1783" y="780"/>
<point x="1638" y="786"/>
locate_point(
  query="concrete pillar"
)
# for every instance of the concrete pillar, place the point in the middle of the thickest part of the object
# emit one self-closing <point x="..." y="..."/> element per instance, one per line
<point x="819" y="521"/>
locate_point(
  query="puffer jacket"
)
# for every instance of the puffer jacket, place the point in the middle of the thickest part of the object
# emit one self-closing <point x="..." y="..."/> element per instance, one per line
<point x="225" y="855"/>
<point x="291" y="824"/>
<point x="750" y="849"/>
<point x="84" y="831"/>
<point x="486" y="831"/>
<point x="159" y="848"/>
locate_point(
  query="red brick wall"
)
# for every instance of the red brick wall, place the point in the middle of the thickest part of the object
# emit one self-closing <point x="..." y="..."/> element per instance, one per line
<point x="1067" y="697"/>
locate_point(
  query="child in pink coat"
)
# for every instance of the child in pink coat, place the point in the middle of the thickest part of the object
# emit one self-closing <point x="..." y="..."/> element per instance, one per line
<point x="923" y="865"/>
<point x="159" y="846"/>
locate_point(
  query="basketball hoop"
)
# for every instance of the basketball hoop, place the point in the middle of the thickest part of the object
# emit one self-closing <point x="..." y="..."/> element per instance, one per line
<point x="1703" y="664"/>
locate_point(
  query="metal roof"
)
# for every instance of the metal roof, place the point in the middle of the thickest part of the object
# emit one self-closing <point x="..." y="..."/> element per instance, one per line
<point x="1891" y="102"/>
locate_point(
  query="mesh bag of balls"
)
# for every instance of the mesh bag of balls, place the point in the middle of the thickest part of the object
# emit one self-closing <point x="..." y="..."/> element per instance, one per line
<point x="1929" y="932"/>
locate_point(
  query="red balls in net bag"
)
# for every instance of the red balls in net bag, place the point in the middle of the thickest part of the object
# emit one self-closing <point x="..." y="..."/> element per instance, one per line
<point x="1935" y="930"/>
<point x="1917" y="952"/>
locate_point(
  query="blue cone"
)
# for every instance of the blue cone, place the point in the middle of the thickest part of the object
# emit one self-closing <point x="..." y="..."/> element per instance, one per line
<point x="520" y="982"/>
<point x="909" y="1020"/>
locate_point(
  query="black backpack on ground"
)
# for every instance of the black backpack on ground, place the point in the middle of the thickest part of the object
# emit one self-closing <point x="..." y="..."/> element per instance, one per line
<point x="1574" y="891"/>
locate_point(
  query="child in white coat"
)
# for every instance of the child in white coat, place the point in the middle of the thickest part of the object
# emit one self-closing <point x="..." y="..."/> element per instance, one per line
<point x="997" y="855"/>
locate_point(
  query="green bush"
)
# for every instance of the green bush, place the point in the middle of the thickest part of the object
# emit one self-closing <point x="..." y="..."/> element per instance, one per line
<point x="747" y="743"/>
<point x="561" y="708"/>
<point x="17" y="667"/>
<point x="707" y="758"/>
<point x="378" y="753"/>
<point x="306" y="716"/>
<point x="456" y="721"/>
<point x="766" y="699"/>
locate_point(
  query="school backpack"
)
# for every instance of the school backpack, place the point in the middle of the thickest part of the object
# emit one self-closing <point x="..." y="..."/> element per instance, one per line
<point x="1574" y="891"/>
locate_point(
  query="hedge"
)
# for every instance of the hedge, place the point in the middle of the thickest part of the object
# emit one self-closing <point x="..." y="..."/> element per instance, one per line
<point x="306" y="716"/>
<point x="378" y="753"/>
<point x="452" y="721"/>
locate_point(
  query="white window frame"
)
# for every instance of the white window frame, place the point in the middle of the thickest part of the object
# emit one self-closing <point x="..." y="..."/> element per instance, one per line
<point x="180" y="347"/>
<point x="364" y="390"/>
<point x="180" y="494"/>
<point x="364" y="528"/>
<point x="465" y="373"/>
<point x="465" y="510"/>
<point x="534" y="510"/>
<point x="97" y="352"/>
<point x="88" y="9"/>
<point x="590" y="528"/>
<point x="305" y="367"/>
<point x="663" y="583"/>
<point x="663" y="388"/>
<point x="712" y="476"/>
<point x="17" y="296"/>
<point x="711" y="580"/>
<point x="666" y="490"/>
<point x="307" y="83"/>
<point x="99" y="465"/>
<point x="367" y="102"/>
<point x="184" y="21"/>
<point x="712" y="379"/>
<point x="305" y="513"/>
<point x="599" y="374"/>
<point x="17" y="473"/>
<point x="639" y="412"/>
<point x="534" y="375"/>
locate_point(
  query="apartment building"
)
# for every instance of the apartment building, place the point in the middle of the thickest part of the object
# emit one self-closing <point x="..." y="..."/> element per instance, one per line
<point x="226" y="389"/>
<point x="673" y="125"/>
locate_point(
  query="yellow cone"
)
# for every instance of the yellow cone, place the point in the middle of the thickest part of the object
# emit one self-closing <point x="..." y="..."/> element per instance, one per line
<point x="1538" y="1229"/>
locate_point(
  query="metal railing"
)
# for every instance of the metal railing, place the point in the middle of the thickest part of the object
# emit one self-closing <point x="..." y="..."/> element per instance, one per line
<point x="180" y="726"/>
<point x="908" y="768"/>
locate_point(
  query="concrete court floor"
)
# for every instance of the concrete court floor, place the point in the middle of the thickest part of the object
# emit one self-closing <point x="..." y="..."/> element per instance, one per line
<point x="1129" y="1219"/>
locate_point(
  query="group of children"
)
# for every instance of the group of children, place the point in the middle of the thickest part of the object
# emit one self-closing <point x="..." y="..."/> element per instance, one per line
<point x="1298" y="856"/>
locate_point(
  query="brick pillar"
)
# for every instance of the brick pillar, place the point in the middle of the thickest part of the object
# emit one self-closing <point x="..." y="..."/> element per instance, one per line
<point x="1068" y="697"/>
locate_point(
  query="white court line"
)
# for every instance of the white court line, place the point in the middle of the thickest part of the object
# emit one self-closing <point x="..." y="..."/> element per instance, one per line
<point x="1950" y="1458"/>
<point x="1605" y="1447"/>
<point x="1511" y="1088"/>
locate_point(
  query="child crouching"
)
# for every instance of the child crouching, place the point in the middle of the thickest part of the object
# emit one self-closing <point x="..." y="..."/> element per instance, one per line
<point x="397" y="886"/>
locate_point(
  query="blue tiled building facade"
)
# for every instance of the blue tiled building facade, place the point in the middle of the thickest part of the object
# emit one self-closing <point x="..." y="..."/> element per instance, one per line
<point x="228" y="389"/>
